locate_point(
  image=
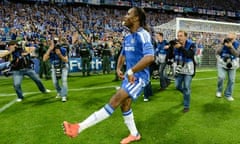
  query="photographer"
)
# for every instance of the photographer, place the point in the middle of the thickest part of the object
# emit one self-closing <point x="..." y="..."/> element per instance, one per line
<point x="160" y="59"/>
<point x="106" y="55"/>
<point x="44" y="65"/>
<point x="59" y="67"/>
<point x="227" y="62"/>
<point x="184" y="51"/>
<point x="85" y="58"/>
<point x="5" y="65"/>
<point x="20" y="66"/>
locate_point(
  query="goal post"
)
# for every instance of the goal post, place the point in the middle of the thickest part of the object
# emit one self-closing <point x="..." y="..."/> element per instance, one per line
<point x="197" y="25"/>
<point x="208" y="26"/>
<point x="207" y="34"/>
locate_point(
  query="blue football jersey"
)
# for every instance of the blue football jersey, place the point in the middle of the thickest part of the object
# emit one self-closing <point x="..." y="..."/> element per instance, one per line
<point x="135" y="46"/>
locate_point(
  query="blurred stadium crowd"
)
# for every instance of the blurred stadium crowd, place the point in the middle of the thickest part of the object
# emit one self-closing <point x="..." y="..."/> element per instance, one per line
<point x="98" y="24"/>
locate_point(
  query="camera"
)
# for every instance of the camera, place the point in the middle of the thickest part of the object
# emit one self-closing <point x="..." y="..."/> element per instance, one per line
<point x="19" y="46"/>
<point x="55" y="40"/>
<point x="178" y="69"/>
<point x="57" y="46"/>
<point x="58" y="70"/>
<point x="227" y="40"/>
<point x="173" y="42"/>
<point x="7" y="72"/>
<point x="227" y="59"/>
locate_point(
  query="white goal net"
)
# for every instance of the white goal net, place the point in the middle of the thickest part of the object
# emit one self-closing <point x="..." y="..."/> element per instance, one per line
<point x="207" y="34"/>
<point x="204" y="31"/>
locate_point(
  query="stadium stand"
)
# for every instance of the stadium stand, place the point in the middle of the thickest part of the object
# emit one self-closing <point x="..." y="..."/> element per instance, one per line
<point x="35" y="20"/>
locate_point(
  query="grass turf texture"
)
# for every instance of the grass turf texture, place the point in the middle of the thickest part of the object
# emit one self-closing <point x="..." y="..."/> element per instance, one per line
<point x="38" y="118"/>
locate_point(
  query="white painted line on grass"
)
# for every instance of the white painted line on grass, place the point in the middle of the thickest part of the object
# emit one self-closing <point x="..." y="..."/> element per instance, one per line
<point x="27" y="93"/>
<point x="204" y="78"/>
<point x="7" y="105"/>
<point x="14" y="94"/>
<point x="91" y="88"/>
<point x="79" y="89"/>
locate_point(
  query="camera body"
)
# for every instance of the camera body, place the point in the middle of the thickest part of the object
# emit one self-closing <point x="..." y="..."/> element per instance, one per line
<point x="178" y="69"/>
<point x="19" y="47"/>
<point x="56" y="44"/>
<point x="58" y="70"/>
<point x="55" y="40"/>
<point x="227" y="40"/>
<point x="173" y="42"/>
<point x="227" y="59"/>
<point x="7" y="72"/>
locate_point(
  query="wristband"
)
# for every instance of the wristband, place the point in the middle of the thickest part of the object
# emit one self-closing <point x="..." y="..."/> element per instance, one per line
<point x="130" y="72"/>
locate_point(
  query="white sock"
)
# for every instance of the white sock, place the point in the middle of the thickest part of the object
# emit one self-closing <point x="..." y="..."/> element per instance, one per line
<point x="96" y="117"/>
<point x="130" y="123"/>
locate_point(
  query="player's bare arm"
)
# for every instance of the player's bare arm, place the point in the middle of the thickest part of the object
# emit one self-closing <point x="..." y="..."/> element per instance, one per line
<point x="143" y="63"/>
<point x="121" y="61"/>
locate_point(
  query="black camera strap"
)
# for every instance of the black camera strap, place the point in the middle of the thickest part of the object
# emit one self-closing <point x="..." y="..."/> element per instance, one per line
<point x="58" y="65"/>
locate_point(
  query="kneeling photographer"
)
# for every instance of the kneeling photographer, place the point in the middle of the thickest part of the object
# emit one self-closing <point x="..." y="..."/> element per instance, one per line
<point x="21" y="65"/>
<point x="59" y="67"/>
<point x="227" y="62"/>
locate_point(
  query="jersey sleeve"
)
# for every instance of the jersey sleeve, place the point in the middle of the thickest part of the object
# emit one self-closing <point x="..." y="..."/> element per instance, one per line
<point x="147" y="43"/>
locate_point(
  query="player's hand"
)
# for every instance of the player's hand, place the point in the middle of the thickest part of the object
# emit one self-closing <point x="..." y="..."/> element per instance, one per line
<point x="120" y="74"/>
<point x="130" y="75"/>
<point x="131" y="78"/>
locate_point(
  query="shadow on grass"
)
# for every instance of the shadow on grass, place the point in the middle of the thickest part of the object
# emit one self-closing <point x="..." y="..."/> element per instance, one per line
<point x="160" y="123"/>
<point x="218" y="105"/>
<point x="96" y="102"/>
<point x="216" y="112"/>
<point x="41" y="99"/>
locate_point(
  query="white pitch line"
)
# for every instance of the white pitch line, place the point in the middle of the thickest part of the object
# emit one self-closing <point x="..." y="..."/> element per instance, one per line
<point x="14" y="94"/>
<point x="91" y="88"/>
<point x="27" y="93"/>
<point x="80" y="89"/>
<point x="7" y="105"/>
<point x="204" y="78"/>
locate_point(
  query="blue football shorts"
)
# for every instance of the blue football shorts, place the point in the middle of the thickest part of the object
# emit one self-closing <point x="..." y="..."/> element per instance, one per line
<point x="134" y="90"/>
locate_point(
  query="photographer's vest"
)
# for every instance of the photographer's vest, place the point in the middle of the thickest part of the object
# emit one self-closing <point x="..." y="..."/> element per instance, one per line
<point x="187" y="64"/>
<point x="66" y="46"/>
<point x="161" y="53"/>
<point x="55" y="60"/>
<point x="56" y="63"/>
<point x="20" y="62"/>
<point x="225" y="54"/>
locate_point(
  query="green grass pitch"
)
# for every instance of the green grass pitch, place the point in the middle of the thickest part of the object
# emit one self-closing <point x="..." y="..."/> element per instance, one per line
<point x="38" y="118"/>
